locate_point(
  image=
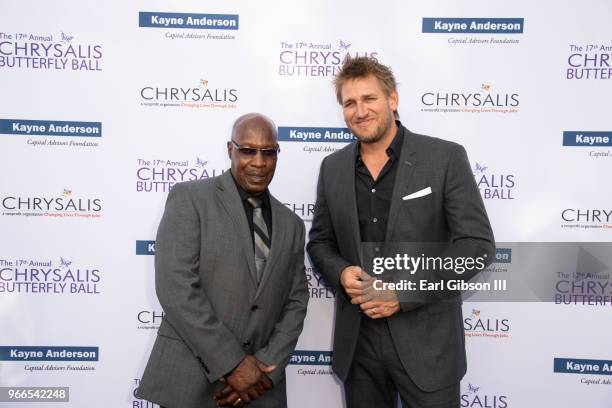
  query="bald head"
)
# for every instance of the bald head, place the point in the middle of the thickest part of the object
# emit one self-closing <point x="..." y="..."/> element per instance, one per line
<point x="255" y="122"/>
<point x="252" y="151"/>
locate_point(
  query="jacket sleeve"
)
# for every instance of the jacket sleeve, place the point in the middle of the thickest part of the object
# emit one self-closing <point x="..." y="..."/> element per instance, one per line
<point x="322" y="245"/>
<point x="178" y="287"/>
<point x="285" y="335"/>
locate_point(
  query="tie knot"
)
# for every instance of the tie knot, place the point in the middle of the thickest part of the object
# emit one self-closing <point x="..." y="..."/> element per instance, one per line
<point x="255" y="202"/>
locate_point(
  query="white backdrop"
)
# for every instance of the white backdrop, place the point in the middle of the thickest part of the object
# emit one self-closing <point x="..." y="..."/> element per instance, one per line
<point x="157" y="102"/>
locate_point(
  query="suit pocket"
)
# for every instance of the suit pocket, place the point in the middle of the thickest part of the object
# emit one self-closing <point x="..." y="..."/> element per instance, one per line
<point x="419" y="200"/>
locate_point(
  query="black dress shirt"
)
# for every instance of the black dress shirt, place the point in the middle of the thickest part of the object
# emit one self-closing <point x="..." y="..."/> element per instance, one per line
<point x="248" y="208"/>
<point x="374" y="196"/>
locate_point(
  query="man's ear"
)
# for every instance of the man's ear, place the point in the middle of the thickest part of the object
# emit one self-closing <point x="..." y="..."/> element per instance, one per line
<point x="393" y="100"/>
<point x="229" y="150"/>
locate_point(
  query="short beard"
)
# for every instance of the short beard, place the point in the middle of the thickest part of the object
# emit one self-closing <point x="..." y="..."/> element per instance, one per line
<point x="379" y="134"/>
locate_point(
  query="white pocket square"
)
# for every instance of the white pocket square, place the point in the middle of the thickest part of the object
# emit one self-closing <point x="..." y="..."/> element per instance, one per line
<point x="417" y="194"/>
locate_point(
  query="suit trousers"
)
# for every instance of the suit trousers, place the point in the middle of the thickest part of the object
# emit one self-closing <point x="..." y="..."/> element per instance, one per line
<point x="377" y="376"/>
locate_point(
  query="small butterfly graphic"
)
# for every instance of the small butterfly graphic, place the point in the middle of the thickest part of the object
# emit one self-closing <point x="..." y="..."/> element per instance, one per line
<point x="472" y="388"/>
<point x="480" y="169"/>
<point x="204" y="82"/>
<point x="66" y="38"/>
<point x="200" y="162"/>
<point x="64" y="263"/>
<point x="476" y="312"/>
<point x="67" y="193"/>
<point x="486" y="87"/>
<point x="344" y="45"/>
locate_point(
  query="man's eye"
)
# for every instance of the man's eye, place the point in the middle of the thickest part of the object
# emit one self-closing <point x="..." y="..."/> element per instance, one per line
<point x="247" y="151"/>
<point x="269" y="152"/>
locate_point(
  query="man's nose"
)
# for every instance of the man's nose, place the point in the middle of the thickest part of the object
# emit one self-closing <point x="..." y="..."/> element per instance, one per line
<point x="361" y="110"/>
<point x="258" y="160"/>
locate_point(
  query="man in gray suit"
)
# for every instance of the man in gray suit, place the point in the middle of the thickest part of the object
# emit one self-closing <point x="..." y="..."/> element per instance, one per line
<point x="394" y="186"/>
<point x="229" y="274"/>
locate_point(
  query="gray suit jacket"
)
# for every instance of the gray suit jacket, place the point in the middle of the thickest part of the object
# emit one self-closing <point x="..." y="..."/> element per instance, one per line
<point x="215" y="313"/>
<point x="428" y="334"/>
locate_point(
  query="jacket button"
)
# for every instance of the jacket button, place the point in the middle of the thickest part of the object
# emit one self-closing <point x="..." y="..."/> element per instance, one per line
<point x="254" y="308"/>
<point x="246" y="344"/>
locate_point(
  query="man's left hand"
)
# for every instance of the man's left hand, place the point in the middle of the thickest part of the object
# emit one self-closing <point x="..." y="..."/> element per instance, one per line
<point x="376" y="304"/>
<point x="229" y="397"/>
<point x="379" y="309"/>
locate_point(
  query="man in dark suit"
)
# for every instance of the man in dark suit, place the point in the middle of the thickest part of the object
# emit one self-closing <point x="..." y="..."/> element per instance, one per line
<point x="394" y="186"/>
<point x="229" y="274"/>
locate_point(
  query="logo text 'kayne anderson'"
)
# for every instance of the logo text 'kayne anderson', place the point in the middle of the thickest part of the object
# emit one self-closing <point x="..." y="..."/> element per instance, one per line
<point x="582" y="366"/>
<point x="50" y="128"/>
<point x="145" y="247"/>
<point x="587" y="139"/>
<point x="188" y="20"/>
<point x="473" y="25"/>
<point x="48" y="353"/>
<point x="314" y="134"/>
<point x="60" y="133"/>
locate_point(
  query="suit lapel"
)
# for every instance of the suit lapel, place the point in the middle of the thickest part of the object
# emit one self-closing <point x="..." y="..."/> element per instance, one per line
<point x="403" y="180"/>
<point x="230" y="199"/>
<point x="348" y="179"/>
<point x="279" y="229"/>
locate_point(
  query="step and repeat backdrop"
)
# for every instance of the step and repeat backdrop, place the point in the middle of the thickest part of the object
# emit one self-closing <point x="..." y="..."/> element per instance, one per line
<point x="105" y="106"/>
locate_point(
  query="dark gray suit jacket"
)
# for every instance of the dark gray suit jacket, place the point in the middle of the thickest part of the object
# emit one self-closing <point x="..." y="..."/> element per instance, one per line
<point x="428" y="334"/>
<point x="215" y="313"/>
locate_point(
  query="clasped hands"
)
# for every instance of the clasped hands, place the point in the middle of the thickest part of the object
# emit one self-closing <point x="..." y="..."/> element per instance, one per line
<point x="374" y="303"/>
<point x="247" y="382"/>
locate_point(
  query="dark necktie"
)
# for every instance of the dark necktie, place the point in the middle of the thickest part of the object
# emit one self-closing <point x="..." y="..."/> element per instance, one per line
<point x="261" y="237"/>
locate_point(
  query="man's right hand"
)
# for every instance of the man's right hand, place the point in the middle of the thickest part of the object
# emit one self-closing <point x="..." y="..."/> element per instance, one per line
<point x="247" y="382"/>
<point x="356" y="282"/>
